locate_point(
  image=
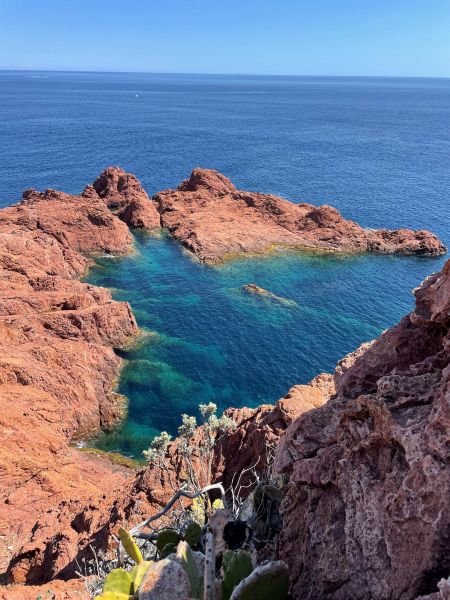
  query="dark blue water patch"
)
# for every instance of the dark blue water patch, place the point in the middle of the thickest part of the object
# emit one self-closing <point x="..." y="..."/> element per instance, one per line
<point x="208" y="340"/>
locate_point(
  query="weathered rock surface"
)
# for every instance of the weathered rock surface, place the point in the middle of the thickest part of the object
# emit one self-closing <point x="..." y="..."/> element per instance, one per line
<point x="214" y="220"/>
<point x="252" y="288"/>
<point x="250" y="445"/>
<point x="57" y="374"/>
<point x="123" y="194"/>
<point x="165" y="580"/>
<point x="56" y="590"/>
<point x="367" y="511"/>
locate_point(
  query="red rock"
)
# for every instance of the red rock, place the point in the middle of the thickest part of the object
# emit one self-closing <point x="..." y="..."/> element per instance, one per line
<point x="250" y="445"/>
<point x="57" y="375"/>
<point x="366" y="512"/>
<point x="56" y="590"/>
<point x="123" y="193"/>
<point x="214" y="220"/>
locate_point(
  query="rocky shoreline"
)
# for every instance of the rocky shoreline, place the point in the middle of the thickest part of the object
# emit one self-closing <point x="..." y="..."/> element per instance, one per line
<point x="384" y="414"/>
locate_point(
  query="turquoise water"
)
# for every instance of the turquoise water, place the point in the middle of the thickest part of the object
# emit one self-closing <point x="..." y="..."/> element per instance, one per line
<point x="376" y="148"/>
<point x="208" y="340"/>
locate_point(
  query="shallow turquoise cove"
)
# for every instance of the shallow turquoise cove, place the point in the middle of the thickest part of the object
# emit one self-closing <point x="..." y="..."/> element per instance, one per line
<point x="208" y="340"/>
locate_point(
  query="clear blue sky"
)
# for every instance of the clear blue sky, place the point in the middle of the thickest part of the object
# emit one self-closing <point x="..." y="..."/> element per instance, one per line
<point x="299" y="37"/>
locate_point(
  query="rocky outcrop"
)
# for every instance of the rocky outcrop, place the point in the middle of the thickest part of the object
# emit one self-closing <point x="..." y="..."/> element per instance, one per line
<point x="57" y="375"/>
<point x="250" y="445"/>
<point x="124" y="195"/>
<point x="215" y="221"/>
<point x="367" y="513"/>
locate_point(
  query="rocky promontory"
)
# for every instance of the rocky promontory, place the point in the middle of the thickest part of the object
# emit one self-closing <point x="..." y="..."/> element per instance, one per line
<point x="367" y="512"/>
<point x="216" y="221"/>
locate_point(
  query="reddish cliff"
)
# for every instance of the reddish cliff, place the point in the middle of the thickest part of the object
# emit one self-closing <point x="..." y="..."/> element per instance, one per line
<point x="214" y="220"/>
<point x="367" y="512"/>
<point x="57" y="372"/>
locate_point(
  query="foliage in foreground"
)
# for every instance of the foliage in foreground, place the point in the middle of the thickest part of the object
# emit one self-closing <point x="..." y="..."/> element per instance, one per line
<point x="216" y="545"/>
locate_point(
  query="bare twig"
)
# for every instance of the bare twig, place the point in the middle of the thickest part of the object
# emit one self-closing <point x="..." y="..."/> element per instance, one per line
<point x="181" y="493"/>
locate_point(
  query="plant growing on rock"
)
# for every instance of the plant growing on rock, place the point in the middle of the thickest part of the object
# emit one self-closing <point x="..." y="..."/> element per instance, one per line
<point x="210" y="549"/>
<point x="158" y="448"/>
<point x="120" y="584"/>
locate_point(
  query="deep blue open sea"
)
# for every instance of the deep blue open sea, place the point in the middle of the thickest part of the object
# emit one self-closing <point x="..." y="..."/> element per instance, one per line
<point x="376" y="148"/>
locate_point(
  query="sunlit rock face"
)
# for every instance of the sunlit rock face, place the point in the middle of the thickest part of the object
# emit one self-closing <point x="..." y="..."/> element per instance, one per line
<point x="214" y="220"/>
<point x="365" y="453"/>
<point x="57" y="375"/>
<point x="124" y="194"/>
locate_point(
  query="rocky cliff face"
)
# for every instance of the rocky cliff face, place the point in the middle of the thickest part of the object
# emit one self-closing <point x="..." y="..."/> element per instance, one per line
<point x="214" y="220"/>
<point x="367" y="510"/>
<point x="57" y="373"/>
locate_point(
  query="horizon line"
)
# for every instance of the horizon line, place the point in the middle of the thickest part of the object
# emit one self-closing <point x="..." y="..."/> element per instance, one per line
<point x="119" y="72"/>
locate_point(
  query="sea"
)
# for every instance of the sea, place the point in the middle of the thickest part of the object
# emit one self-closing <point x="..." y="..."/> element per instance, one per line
<point x="378" y="149"/>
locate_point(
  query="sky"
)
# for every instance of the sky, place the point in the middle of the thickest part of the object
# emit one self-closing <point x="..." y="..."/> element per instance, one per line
<point x="281" y="37"/>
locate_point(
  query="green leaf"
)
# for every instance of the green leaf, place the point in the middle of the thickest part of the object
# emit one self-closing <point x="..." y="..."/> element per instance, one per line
<point x="267" y="582"/>
<point x="165" y="537"/>
<point x="131" y="548"/>
<point x="118" y="581"/>
<point x="137" y="573"/>
<point x="238" y="567"/>
<point x="184" y="553"/>
<point x="198" y="510"/>
<point x="227" y="557"/>
<point x="192" y="534"/>
<point x="168" y="550"/>
<point x="217" y="505"/>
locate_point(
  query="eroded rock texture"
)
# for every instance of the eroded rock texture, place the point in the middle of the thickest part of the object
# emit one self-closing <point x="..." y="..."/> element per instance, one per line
<point x="367" y="511"/>
<point x="367" y="507"/>
<point x="57" y="374"/>
<point x="123" y="194"/>
<point x="214" y="220"/>
<point x="250" y="445"/>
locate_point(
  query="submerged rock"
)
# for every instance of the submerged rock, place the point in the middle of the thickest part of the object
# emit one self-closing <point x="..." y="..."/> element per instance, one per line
<point x="365" y="453"/>
<point x="251" y="288"/>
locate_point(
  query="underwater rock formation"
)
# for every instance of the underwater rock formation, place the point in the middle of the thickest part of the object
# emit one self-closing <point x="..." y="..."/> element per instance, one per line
<point x="252" y="288"/>
<point x="215" y="221"/>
